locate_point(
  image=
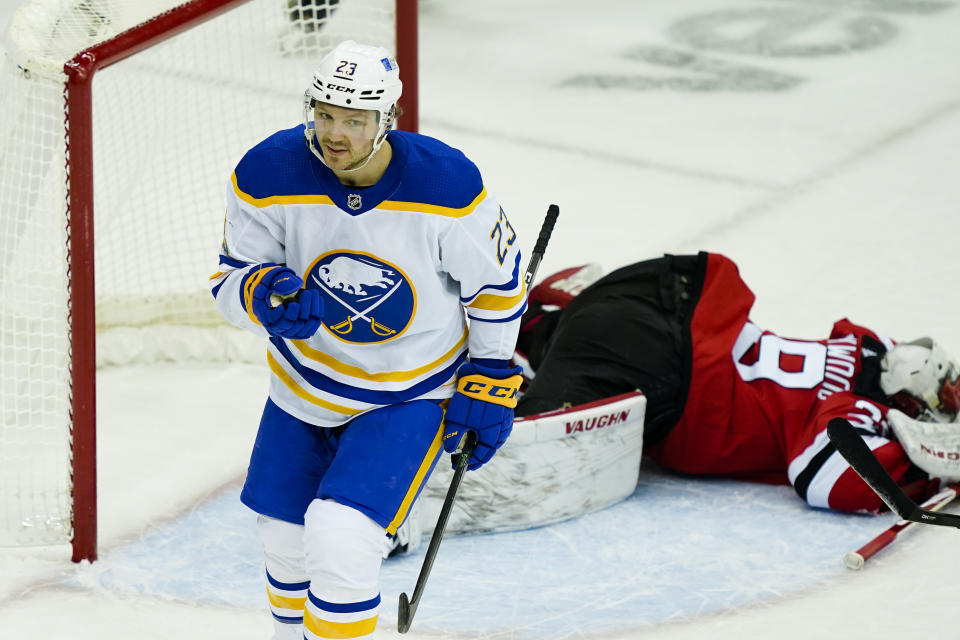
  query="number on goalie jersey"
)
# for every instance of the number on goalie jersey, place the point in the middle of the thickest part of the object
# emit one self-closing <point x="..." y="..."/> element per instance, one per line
<point x="724" y="396"/>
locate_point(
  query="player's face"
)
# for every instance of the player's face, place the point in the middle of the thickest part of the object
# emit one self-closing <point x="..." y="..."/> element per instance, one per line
<point x="345" y="135"/>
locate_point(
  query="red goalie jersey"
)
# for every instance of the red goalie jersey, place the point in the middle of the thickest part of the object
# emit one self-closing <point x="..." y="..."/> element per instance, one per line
<point x="757" y="404"/>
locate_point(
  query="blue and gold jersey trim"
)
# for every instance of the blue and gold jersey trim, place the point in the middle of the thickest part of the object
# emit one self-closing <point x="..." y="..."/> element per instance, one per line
<point x="507" y="286"/>
<point x="268" y="201"/>
<point x="314" y="380"/>
<point x="488" y="304"/>
<point x="297" y="389"/>
<point x="491" y="302"/>
<point x="496" y="307"/>
<point x="218" y="278"/>
<point x="327" y="360"/>
<point x="516" y="314"/>
<point x="386" y="205"/>
<point x="421" y="207"/>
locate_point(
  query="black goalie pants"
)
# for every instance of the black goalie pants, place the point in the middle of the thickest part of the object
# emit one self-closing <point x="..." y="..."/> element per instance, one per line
<point x="629" y="330"/>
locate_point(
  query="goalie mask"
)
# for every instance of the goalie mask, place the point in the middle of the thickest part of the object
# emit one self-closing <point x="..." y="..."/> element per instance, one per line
<point x="354" y="76"/>
<point x="921" y="380"/>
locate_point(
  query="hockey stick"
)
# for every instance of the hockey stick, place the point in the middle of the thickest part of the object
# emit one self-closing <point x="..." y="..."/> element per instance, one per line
<point x="852" y="447"/>
<point x="855" y="559"/>
<point x="408" y="606"/>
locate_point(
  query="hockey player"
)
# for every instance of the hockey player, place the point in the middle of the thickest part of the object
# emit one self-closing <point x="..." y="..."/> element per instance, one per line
<point x="727" y="398"/>
<point x="359" y="252"/>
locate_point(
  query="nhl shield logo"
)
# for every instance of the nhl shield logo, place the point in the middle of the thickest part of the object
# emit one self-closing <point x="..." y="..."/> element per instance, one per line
<point x="366" y="299"/>
<point x="354" y="201"/>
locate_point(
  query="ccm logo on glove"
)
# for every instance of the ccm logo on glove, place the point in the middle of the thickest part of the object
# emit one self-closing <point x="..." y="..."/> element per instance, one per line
<point x="502" y="392"/>
<point x="483" y="403"/>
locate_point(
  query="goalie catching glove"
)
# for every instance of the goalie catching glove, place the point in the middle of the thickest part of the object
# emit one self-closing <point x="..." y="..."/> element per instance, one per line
<point x="274" y="295"/>
<point x="483" y="403"/>
<point x="932" y="446"/>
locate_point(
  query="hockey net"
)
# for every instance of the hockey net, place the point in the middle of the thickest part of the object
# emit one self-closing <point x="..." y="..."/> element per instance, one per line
<point x="169" y="95"/>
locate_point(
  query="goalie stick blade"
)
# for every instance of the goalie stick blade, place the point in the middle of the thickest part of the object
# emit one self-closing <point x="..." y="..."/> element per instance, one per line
<point x="856" y="452"/>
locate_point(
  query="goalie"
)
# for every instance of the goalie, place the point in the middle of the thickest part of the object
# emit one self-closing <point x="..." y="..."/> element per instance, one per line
<point x="720" y="396"/>
<point x="727" y="398"/>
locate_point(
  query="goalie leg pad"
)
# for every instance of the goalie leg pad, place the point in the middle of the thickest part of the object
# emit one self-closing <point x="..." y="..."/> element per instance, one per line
<point x="344" y="549"/>
<point x="555" y="466"/>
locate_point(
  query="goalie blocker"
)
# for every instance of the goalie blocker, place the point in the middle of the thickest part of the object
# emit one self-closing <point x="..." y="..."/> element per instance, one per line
<point x="556" y="465"/>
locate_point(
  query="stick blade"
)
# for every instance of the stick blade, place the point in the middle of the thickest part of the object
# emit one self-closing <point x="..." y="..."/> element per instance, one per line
<point x="403" y="614"/>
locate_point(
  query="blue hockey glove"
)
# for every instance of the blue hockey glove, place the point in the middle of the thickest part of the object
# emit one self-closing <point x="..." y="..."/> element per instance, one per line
<point x="299" y="312"/>
<point x="483" y="403"/>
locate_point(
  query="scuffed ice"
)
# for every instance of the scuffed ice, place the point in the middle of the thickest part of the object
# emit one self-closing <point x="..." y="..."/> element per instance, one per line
<point x="677" y="548"/>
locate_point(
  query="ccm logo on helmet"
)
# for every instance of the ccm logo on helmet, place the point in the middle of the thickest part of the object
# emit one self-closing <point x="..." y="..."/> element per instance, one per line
<point x="337" y="87"/>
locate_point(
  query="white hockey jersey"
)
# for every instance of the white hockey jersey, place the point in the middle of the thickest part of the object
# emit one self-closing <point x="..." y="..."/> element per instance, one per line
<point x="401" y="265"/>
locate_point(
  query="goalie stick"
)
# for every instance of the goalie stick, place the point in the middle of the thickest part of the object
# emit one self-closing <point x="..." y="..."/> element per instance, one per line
<point x="855" y="451"/>
<point x="408" y="606"/>
<point x="856" y="559"/>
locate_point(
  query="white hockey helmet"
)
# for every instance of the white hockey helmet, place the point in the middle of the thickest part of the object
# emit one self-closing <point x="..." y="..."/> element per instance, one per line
<point x="355" y="76"/>
<point x="926" y="374"/>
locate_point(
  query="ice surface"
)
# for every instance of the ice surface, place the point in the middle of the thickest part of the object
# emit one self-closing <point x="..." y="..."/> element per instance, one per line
<point x="676" y="549"/>
<point x="815" y="143"/>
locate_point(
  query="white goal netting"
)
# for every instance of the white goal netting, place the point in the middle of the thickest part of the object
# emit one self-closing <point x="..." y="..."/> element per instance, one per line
<point x="169" y="124"/>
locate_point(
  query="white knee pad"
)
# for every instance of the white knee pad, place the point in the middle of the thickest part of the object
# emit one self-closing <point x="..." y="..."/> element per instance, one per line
<point x="344" y="549"/>
<point x="283" y="549"/>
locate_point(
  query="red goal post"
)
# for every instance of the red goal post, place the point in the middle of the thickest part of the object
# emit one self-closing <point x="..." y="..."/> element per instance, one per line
<point x="158" y="99"/>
